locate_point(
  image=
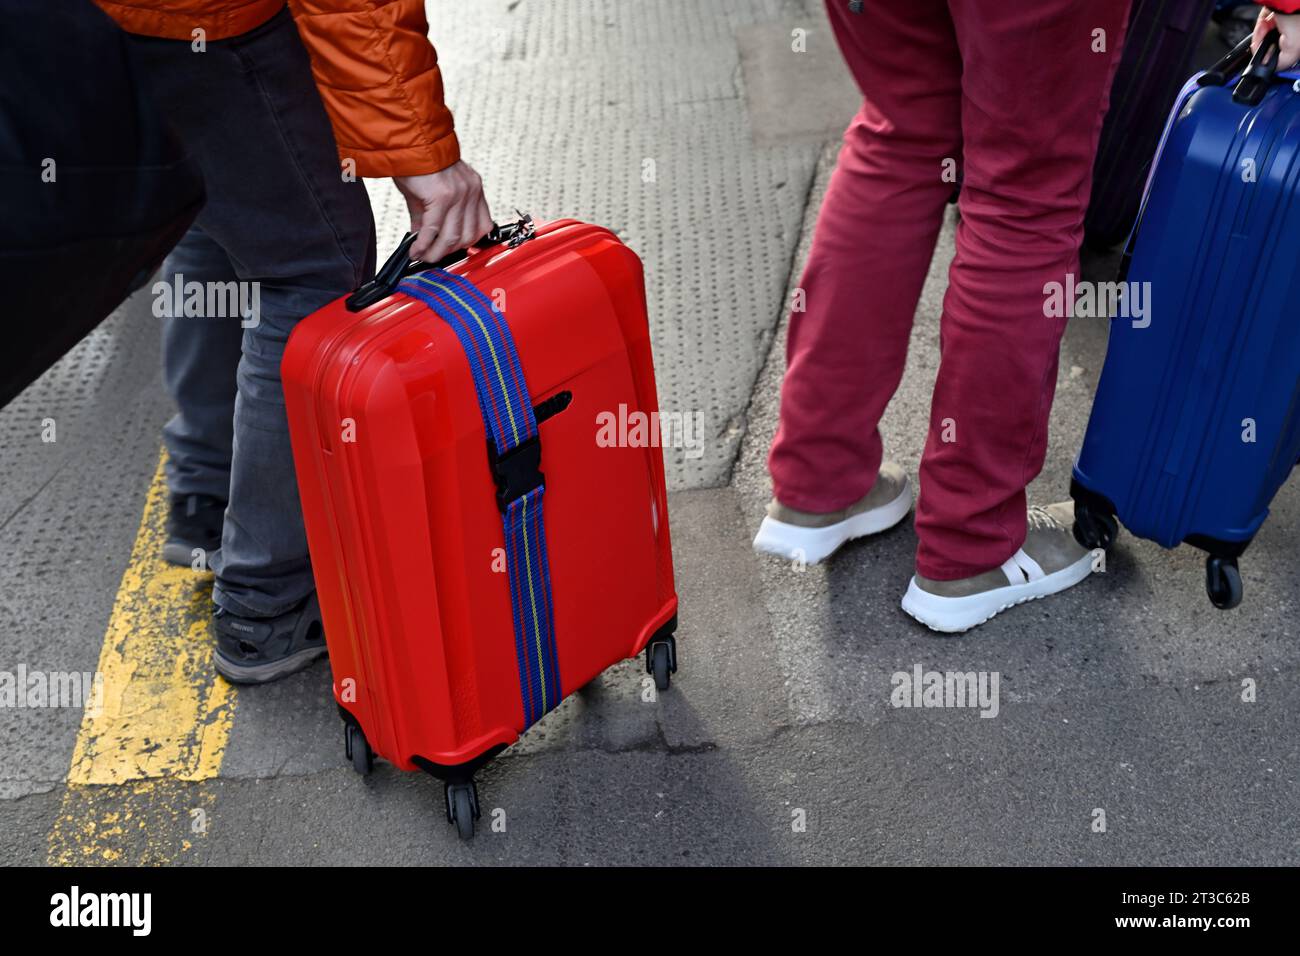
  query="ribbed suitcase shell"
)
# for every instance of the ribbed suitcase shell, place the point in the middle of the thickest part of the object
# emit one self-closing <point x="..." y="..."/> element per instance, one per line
<point x="402" y="522"/>
<point x="1165" y="441"/>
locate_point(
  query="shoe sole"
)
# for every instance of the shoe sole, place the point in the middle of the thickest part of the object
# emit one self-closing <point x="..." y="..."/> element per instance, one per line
<point x="814" y="545"/>
<point x="270" y="671"/>
<point x="179" y="553"/>
<point x="953" y="615"/>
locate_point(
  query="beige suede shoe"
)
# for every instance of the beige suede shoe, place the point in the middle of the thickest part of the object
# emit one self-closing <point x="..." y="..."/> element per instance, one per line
<point x="1050" y="561"/>
<point x="813" y="538"/>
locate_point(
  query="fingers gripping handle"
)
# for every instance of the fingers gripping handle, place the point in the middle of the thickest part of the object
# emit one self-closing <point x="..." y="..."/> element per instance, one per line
<point x="400" y="264"/>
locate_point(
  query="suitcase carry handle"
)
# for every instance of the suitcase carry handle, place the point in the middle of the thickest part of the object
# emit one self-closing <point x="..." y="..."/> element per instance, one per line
<point x="400" y="264"/>
<point x="1232" y="62"/>
<point x="1259" y="75"/>
<point x="1257" y="71"/>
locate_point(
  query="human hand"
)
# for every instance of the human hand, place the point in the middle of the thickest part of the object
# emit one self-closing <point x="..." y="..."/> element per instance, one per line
<point x="1288" y="27"/>
<point x="448" y="211"/>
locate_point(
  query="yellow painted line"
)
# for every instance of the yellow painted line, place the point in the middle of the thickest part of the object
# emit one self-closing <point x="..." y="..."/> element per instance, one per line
<point x="166" y="715"/>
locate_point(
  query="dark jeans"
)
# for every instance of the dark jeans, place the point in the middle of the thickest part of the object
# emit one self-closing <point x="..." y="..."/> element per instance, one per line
<point x="279" y="214"/>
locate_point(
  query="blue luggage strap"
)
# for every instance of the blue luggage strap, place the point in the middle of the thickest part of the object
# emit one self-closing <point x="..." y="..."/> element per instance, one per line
<point x="515" y="456"/>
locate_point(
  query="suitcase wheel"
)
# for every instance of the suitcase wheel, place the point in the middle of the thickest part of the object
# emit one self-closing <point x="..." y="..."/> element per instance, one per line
<point x="661" y="660"/>
<point x="357" y="748"/>
<point x="1094" y="529"/>
<point x="1223" y="582"/>
<point x="462" y="807"/>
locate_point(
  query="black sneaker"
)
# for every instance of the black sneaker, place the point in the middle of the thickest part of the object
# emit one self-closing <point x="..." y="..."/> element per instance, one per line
<point x="194" y="522"/>
<point x="258" y="650"/>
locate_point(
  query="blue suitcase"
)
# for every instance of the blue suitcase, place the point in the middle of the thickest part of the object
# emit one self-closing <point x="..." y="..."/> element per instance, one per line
<point x="1196" y="423"/>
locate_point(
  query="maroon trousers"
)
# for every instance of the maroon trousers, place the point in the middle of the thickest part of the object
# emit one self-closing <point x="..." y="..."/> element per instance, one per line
<point x="1012" y="95"/>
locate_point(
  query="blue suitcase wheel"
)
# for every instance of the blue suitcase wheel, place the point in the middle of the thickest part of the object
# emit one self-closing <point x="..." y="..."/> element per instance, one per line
<point x="1094" y="529"/>
<point x="1223" y="582"/>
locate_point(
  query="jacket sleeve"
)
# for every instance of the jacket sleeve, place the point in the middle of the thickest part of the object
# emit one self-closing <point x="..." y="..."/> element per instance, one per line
<point x="1283" y="6"/>
<point x="378" y="76"/>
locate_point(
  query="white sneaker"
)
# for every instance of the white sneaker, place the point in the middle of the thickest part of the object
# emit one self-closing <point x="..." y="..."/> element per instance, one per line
<point x="812" y="538"/>
<point x="1050" y="561"/>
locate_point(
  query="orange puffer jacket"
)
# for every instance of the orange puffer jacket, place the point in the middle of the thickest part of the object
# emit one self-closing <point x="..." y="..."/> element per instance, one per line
<point x="375" y="68"/>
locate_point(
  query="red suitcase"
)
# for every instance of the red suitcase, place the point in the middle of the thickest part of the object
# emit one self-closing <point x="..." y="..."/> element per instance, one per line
<point x="435" y="614"/>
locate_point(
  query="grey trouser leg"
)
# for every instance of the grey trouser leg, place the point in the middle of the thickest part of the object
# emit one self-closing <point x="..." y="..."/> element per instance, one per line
<point x="200" y="356"/>
<point x="279" y="208"/>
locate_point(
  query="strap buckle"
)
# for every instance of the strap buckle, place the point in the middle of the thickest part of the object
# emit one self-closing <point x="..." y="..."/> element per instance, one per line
<point x="517" y="471"/>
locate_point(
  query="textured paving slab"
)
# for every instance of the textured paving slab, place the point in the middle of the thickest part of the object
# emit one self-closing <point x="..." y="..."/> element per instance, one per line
<point x="568" y="108"/>
<point x="70" y="512"/>
<point x="797" y="86"/>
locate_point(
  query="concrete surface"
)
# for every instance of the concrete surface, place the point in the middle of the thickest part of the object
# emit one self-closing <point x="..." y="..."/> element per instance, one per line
<point x="777" y="742"/>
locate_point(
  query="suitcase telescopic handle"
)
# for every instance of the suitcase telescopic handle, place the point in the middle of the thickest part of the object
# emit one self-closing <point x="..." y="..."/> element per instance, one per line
<point x="400" y="264"/>
<point x="1259" y="75"/>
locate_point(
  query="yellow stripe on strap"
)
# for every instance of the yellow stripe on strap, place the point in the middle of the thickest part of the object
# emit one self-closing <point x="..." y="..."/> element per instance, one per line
<point x="532" y="600"/>
<point x="505" y="395"/>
